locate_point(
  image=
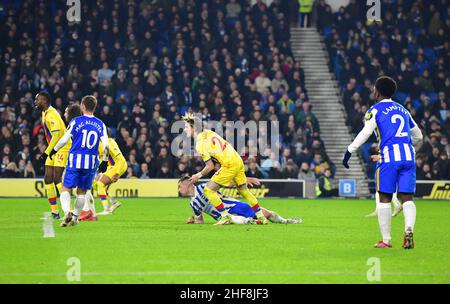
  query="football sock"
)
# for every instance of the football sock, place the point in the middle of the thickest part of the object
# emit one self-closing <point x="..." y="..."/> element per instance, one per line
<point x="395" y="200"/>
<point x="240" y="220"/>
<point x="86" y="207"/>
<point x="101" y="191"/>
<point x="214" y="198"/>
<point x="251" y="199"/>
<point x="94" y="185"/>
<point x="79" y="203"/>
<point x="59" y="187"/>
<point x="90" y="202"/>
<point x="276" y="218"/>
<point x="65" y="202"/>
<point x="51" y="195"/>
<point x="409" y="211"/>
<point x="384" y="221"/>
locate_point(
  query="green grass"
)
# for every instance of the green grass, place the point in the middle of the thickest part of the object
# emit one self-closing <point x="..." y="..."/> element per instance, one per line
<point x="146" y="241"/>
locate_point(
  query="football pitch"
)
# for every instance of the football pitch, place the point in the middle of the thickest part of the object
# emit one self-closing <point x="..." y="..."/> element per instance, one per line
<point x="147" y="241"/>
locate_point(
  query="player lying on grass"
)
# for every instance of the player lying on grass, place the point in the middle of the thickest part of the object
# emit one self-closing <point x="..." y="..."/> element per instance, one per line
<point x="397" y="205"/>
<point x="117" y="165"/>
<point x="209" y="145"/>
<point x="240" y="213"/>
<point x="397" y="134"/>
<point x="54" y="129"/>
<point x="86" y="132"/>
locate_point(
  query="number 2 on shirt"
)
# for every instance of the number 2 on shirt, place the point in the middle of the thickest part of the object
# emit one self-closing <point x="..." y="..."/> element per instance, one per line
<point x="216" y="139"/>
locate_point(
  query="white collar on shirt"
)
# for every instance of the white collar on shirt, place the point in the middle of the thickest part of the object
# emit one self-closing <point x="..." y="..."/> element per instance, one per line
<point x="386" y="100"/>
<point x="88" y="115"/>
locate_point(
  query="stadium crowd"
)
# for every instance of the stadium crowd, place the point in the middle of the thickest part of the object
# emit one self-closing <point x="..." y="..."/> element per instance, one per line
<point x="148" y="62"/>
<point x="411" y="44"/>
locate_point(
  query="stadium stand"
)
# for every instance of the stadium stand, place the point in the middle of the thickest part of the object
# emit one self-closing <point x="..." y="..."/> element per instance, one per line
<point x="411" y="44"/>
<point x="148" y="62"/>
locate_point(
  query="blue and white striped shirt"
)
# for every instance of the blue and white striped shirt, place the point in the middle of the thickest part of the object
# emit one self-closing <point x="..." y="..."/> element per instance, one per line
<point x="199" y="203"/>
<point x="395" y="129"/>
<point x="86" y="133"/>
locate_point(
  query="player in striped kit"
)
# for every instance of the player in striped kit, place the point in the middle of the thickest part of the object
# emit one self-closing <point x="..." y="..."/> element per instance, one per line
<point x="86" y="133"/>
<point x="240" y="213"/>
<point x="397" y="133"/>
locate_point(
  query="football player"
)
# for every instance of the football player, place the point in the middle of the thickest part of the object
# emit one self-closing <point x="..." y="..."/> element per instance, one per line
<point x="212" y="146"/>
<point x="54" y="129"/>
<point x="397" y="134"/>
<point x="86" y="132"/>
<point x="240" y="213"/>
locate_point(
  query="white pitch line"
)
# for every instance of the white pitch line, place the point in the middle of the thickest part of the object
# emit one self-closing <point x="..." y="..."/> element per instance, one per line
<point x="47" y="226"/>
<point x="164" y="273"/>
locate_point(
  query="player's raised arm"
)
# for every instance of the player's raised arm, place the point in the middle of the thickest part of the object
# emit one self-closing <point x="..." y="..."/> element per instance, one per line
<point x="369" y="127"/>
<point x="63" y="140"/>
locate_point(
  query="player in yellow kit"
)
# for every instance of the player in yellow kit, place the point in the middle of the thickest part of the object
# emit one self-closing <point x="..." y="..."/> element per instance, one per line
<point x="117" y="166"/>
<point x="211" y="146"/>
<point x="54" y="129"/>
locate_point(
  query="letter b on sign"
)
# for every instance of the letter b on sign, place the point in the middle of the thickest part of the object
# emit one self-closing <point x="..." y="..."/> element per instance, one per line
<point x="347" y="187"/>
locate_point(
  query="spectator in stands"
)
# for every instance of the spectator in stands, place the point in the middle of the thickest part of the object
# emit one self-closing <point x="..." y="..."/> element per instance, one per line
<point x="416" y="58"/>
<point x="149" y="63"/>
<point x="290" y="170"/>
<point x="305" y="173"/>
<point x="11" y="171"/>
<point x="253" y="170"/>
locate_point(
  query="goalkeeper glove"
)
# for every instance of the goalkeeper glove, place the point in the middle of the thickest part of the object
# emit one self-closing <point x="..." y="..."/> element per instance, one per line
<point x="53" y="152"/>
<point x="43" y="157"/>
<point x="346" y="159"/>
<point x="103" y="166"/>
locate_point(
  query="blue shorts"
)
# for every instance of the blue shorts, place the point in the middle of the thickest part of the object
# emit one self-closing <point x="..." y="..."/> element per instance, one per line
<point x="396" y="176"/>
<point x="238" y="208"/>
<point x="79" y="178"/>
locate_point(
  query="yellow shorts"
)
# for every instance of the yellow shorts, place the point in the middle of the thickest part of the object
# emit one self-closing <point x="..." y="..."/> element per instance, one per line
<point x="59" y="159"/>
<point x="118" y="168"/>
<point x="226" y="174"/>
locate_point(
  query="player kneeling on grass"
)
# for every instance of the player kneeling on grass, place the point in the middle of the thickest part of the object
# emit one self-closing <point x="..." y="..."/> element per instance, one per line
<point x="240" y="213"/>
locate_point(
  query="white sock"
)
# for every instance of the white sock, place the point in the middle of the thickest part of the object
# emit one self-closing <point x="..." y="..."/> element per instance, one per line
<point x="65" y="201"/>
<point x="384" y="221"/>
<point x="276" y="218"/>
<point x="79" y="203"/>
<point x="240" y="220"/>
<point x="395" y="200"/>
<point x="409" y="211"/>
<point x="90" y="202"/>
<point x="377" y="200"/>
<point x="86" y="205"/>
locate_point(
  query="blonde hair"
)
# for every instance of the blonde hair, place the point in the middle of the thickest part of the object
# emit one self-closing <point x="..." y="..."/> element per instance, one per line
<point x="193" y="120"/>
